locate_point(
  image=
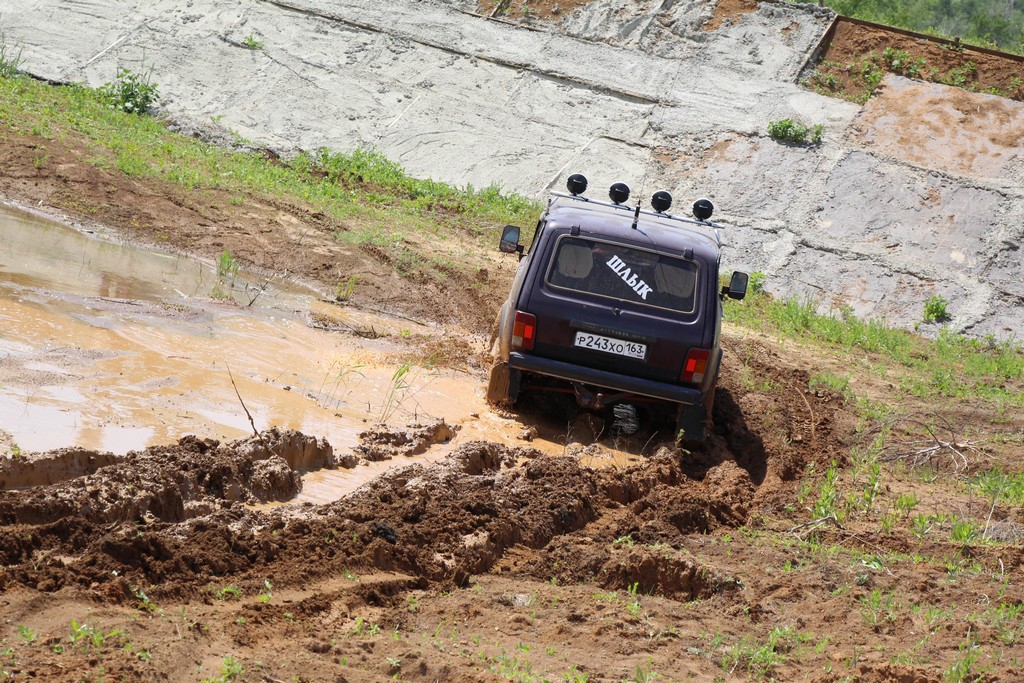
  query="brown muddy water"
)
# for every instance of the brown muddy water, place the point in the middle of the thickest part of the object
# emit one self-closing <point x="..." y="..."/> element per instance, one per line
<point x="113" y="347"/>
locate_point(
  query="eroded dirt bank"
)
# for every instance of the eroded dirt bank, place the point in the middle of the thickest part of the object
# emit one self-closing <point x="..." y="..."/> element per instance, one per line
<point x="673" y="95"/>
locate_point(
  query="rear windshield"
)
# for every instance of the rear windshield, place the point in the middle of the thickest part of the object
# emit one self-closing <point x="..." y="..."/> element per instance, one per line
<point x="618" y="272"/>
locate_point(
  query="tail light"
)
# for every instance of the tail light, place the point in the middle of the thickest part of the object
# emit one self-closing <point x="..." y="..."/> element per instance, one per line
<point x="524" y="331"/>
<point x="695" y="366"/>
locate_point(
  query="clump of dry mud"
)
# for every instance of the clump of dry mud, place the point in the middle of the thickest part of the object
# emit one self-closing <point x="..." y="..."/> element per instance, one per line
<point x="166" y="483"/>
<point x="384" y="443"/>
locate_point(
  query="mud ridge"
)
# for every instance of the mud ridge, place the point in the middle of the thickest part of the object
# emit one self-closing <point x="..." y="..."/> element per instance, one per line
<point x="163" y="483"/>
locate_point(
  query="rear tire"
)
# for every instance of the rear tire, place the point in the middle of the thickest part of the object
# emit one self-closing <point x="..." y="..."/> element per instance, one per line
<point x="498" y="384"/>
<point x="709" y="405"/>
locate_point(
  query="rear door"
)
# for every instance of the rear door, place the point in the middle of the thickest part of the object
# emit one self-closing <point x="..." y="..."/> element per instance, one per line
<point x="619" y="307"/>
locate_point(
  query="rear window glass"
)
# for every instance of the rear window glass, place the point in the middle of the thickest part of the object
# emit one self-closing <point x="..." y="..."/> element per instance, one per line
<point x="619" y="272"/>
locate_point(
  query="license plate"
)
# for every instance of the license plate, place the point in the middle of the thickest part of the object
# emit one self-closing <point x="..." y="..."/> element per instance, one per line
<point x="597" y="342"/>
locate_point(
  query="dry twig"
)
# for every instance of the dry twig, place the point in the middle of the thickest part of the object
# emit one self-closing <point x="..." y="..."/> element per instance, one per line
<point x="252" y="422"/>
<point x="940" y="439"/>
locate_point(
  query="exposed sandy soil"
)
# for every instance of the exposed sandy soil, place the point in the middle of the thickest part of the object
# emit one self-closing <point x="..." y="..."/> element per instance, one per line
<point x="502" y="563"/>
<point x="729" y="10"/>
<point x="725" y="10"/>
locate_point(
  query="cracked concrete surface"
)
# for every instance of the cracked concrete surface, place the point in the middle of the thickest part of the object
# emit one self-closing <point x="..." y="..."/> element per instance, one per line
<point x="918" y="193"/>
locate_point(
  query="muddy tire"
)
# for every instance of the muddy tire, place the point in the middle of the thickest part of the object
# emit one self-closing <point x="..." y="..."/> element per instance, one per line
<point x="709" y="405"/>
<point x="498" y="384"/>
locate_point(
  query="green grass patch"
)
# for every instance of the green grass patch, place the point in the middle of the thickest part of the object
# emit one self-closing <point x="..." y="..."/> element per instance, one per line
<point x="361" y="184"/>
<point x="951" y="365"/>
<point x="999" y="486"/>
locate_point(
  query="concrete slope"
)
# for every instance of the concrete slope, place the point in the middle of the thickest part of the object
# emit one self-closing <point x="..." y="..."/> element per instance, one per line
<point x="887" y="212"/>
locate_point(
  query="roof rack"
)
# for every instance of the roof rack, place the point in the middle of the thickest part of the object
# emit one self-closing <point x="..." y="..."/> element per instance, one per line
<point x="637" y="211"/>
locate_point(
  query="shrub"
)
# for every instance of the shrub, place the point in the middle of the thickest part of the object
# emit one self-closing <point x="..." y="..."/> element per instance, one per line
<point x="935" y="309"/>
<point x="756" y="282"/>
<point x="789" y="130"/>
<point x="131" y="92"/>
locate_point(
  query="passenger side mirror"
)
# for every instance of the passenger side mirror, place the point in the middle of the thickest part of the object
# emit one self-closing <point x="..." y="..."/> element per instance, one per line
<point x="737" y="287"/>
<point x="510" y="240"/>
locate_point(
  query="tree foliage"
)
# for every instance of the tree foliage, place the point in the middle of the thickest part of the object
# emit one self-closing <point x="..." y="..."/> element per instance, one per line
<point x="995" y="24"/>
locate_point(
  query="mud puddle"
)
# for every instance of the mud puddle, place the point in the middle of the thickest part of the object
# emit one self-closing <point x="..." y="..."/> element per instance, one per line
<point x="115" y="348"/>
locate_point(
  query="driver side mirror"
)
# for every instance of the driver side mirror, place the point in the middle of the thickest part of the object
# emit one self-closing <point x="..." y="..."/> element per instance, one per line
<point x="737" y="287"/>
<point x="510" y="241"/>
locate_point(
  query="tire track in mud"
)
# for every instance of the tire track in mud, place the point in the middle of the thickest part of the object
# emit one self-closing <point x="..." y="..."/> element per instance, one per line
<point x="177" y="524"/>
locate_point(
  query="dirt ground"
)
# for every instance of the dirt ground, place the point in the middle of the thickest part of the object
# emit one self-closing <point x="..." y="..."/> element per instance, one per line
<point x="283" y="241"/>
<point x="502" y="562"/>
<point x="852" y="46"/>
<point x="528" y="567"/>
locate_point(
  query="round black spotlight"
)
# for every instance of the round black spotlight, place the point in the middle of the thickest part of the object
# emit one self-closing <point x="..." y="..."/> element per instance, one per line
<point x="661" y="201"/>
<point x="577" y="184"/>
<point x="702" y="209"/>
<point x="619" y="193"/>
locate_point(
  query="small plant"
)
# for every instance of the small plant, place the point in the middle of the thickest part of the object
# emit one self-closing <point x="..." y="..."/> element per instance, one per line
<point x="962" y="668"/>
<point x="755" y="282"/>
<point x="922" y="524"/>
<point x="828" y="494"/>
<point x="26" y="634"/>
<point x="231" y="592"/>
<point x="644" y="674"/>
<point x="130" y="92"/>
<point x="345" y="289"/>
<point x="837" y="383"/>
<point x="964" y="532"/>
<point x="10" y="57"/>
<point x="265" y="594"/>
<point x="788" y="130"/>
<point x="227" y="266"/>
<point x="761" y="658"/>
<point x="626" y="540"/>
<point x="634" y="602"/>
<point x="573" y="675"/>
<point x="871" y="486"/>
<point x="397" y="390"/>
<point x="822" y="80"/>
<point x="961" y="76"/>
<point x="904" y="504"/>
<point x="230" y="670"/>
<point x="251" y="43"/>
<point x="144" y="603"/>
<point x="900" y="62"/>
<point x="935" y="309"/>
<point x="877" y="608"/>
<point x="90" y="636"/>
<point x="362" y="628"/>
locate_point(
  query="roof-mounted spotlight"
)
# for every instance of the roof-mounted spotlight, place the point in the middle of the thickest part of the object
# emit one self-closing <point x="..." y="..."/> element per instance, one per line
<point x="576" y="184"/>
<point x="702" y="209"/>
<point x="619" y="193"/>
<point x="661" y="201"/>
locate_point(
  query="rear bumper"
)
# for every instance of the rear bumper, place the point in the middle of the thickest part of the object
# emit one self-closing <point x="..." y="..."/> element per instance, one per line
<point x="602" y="378"/>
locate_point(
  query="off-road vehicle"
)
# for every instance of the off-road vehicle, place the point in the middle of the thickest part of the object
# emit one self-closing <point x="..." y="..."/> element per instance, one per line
<point x="616" y="305"/>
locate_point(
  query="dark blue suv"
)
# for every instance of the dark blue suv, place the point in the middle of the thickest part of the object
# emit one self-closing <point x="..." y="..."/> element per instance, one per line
<point x="615" y="304"/>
